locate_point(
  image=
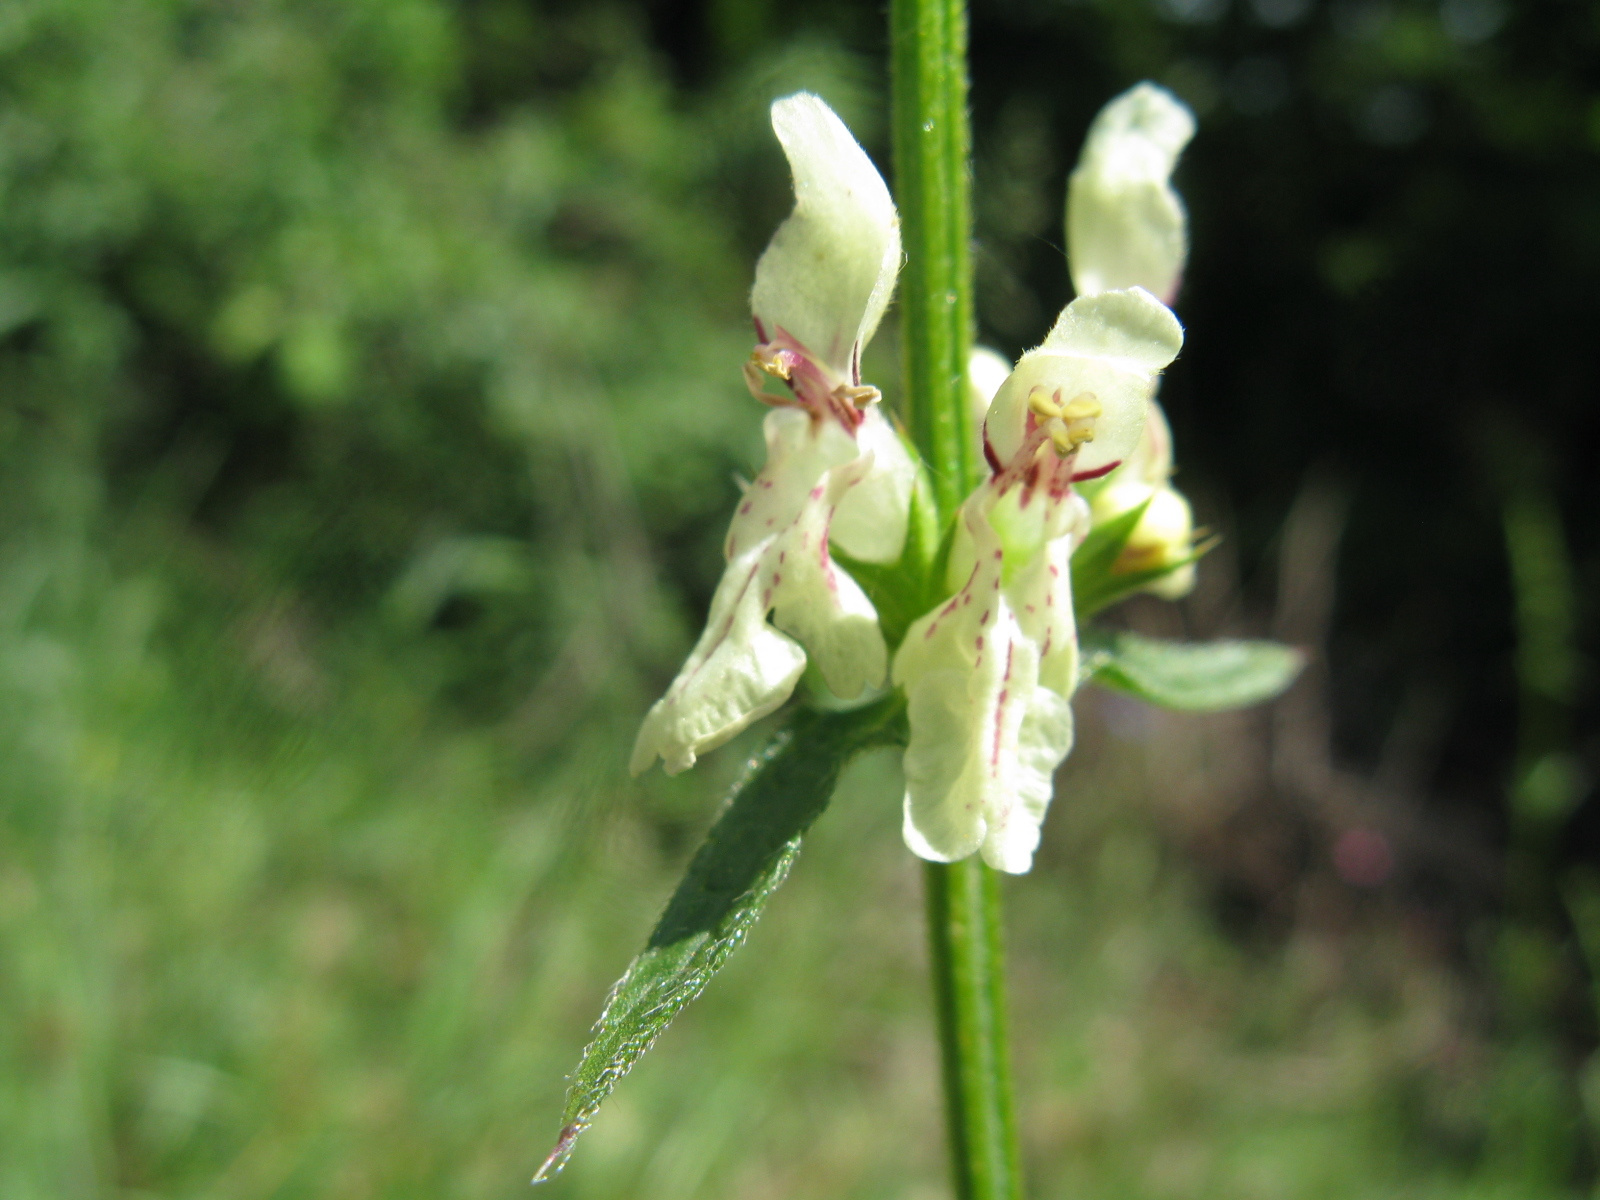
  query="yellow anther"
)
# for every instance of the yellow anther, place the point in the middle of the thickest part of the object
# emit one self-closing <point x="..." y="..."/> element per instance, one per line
<point x="1082" y="407"/>
<point x="1067" y="439"/>
<point x="859" y="394"/>
<point x="775" y="365"/>
<point x="1041" y="404"/>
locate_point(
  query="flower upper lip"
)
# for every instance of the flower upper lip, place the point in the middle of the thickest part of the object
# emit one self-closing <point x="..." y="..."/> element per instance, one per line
<point x="827" y="275"/>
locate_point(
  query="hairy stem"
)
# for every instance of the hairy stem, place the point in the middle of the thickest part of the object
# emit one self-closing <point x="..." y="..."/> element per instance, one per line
<point x="969" y="985"/>
<point x="928" y="40"/>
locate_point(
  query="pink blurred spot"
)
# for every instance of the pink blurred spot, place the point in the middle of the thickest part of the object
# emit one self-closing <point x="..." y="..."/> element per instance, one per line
<point x="1363" y="857"/>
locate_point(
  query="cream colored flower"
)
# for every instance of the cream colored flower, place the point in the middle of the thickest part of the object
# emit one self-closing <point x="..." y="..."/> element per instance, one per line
<point x="1126" y="227"/>
<point x="836" y="470"/>
<point x="989" y="673"/>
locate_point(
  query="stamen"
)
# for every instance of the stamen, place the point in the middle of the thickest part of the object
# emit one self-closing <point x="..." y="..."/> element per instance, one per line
<point x="1042" y="405"/>
<point x="1079" y="436"/>
<point x="1083" y="406"/>
<point x="754" y="379"/>
<point x="775" y="364"/>
<point x="859" y="394"/>
<point x="1069" y="425"/>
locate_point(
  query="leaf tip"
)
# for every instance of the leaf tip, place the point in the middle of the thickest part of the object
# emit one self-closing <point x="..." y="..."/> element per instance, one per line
<point x="551" y="1167"/>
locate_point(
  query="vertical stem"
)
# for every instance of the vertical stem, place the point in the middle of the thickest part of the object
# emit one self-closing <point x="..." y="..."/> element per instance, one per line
<point x="968" y="963"/>
<point x="928" y="41"/>
<point x="928" y="51"/>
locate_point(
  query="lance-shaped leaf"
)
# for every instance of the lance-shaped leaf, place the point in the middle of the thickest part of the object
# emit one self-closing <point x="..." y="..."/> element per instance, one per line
<point x="1195" y="676"/>
<point x="744" y="859"/>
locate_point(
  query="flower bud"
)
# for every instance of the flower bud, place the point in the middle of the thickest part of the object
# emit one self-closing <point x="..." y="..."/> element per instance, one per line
<point x="1164" y="535"/>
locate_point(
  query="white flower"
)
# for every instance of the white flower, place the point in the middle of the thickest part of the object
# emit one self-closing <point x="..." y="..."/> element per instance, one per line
<point x="986" y="370"/>
<point x="1125" y="225"/>
<point x="835" y="469"/>
<point x="989" y="673"/>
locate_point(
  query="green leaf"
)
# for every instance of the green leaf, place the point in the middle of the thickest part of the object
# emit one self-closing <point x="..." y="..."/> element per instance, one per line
<point x="1196" y="676"/>
<point x="1096" y="583"/>
<point x="1093" y="583"/>
<point x="744" y="859"/>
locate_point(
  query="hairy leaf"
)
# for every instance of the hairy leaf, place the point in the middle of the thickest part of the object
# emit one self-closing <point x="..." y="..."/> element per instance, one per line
<point x="1196" y="676"/>
<point x="744" y="859"/>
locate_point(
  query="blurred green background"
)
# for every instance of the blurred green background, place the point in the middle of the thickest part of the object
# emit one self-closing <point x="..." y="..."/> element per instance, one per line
<point x="369" y="416"/>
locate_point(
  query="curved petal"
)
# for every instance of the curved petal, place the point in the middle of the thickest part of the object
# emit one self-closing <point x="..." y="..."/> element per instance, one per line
<point x="978" y="763"/>
<point x="800" y="450"/>
<point x="740" y="670"/>
<point x="951" y="666"/>
<point x="961" y="757"/>
<point x="1151" y="460"/>
<point x="778" y="561"/>
<point x="1126" y="226"/>
<point x="941" y="823"/>
<point x="1107" y="348"/>
<point x="812" y="599"/>
<point x="985" y="744"/>
<point x="1043" y="742"/>
<point x="1040" y="594"/>
<point x="826" y="277"/>
<point x="870" y="523"/>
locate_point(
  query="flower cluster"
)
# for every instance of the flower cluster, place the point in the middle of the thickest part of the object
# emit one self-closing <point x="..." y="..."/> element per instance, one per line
<point x="1071" y="435"/>
<point x="836" y="470"/>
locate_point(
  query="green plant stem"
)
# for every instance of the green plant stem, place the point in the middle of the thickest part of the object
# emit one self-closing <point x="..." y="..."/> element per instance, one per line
<point x="928" y="50"/>
<point x="928" y="40"/>
<point x="968" y="964"/>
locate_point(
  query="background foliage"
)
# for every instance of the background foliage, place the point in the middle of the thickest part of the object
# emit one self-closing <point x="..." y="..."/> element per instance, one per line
<point x="369" y="407"/>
